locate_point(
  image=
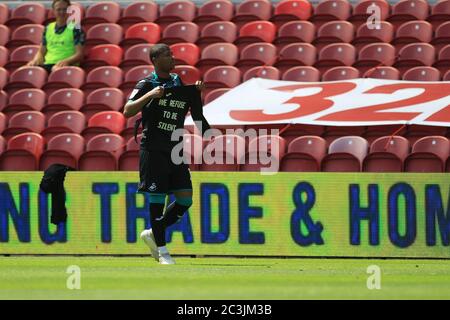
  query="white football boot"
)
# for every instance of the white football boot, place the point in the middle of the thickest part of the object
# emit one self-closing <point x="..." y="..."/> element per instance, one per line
<point x="149" y="239"/>
<point x="165" y="258"/>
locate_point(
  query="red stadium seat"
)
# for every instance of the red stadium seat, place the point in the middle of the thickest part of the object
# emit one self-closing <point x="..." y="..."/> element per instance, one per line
<point x="408" y="10"/>
<point x="64" y="148"/>
<point x="27" y="77"/>
<point x="26" y="35"/>
<point x="440" y="13"/>
<point x="3" y="99"/>
<point x="214" y="94"/>
<point x="103" y="99"/>
<point x="255" y="31"/>
<point x="331" y="10"/>
<point x="416" y="132"/>
<point x="413" y="55"/>
<point x="360" y="11"/>
<point x="175" y="11"/>
<point x="102" y="153"/>
<point x="251" y="10"/>
<point x="293" y="131"/>
<point x="183" y="31"/>
<point x="442" y="36"/>
<point x="133" y="76"/>
<point x="24" y="121"/>
<point x="226" y="149"/>
<point x="25" y="14"/>
<point x="374" y="55"/>
<point x="2" y="145"/>
<point x="291" y="10"/>
<point x="129" y="160"/>
<point x="332" y="32"/>
<point x="269" y="144"/>
<point x="103" y="55"/>
<point x="304" y="154"/>
<point x="296" y="54"/>
<point x="4" y="55"/>
<point x="23" y="152"/>
<point x="137" y="55"/>
<point x="3" y="125"/>
<point x="4" y="76"/>
<point x="345" y="154"/>
<point x="141" y="33"/>
<point x="4" y="35"/>
<point x="443" y="61"/>
<point x="66" y="77"/>
<point x="101" y="12"/>
<point x="422" y="74"/>
<point x="217" y="54"/>
<point x="412" y="31"/>
<point x="219" y="31"/>
<point x="332" y="133"/>
<point x="64" y="122"/>
<point x="302" y="74"/>
<point x="113" y="121"/>
<point x="340" y="73"/>
<point x="334" y="55"/>
<point x="365" y="36"/>
<point x="188" y="74"/>
<point x="4" y="13"/>
<point x="103" y="33"/>
<point x="25" y="99"/>
<point x="102" y="77"/>
<point x="374" y="132"/>
<point x="21" y="56"/>
<point x="222" y="77"/>
<point x="185" y="53"/>
<point x="382" y="73"/>
<point x="428" y="155"/>
<point x="257" y="54"/>
<point x="446" y="76"/>
<point x="72" y="120"/>
<point x="386" y="154"/>
<point x="137" y="12"/>
<point x="215" y="10"/>
<point x="265" y="72"/>
<point x="64" y="99"/>
<point x="295" y="31"/>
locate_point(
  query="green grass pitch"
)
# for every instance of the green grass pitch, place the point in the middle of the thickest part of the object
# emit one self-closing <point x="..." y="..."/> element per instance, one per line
<point x="45" y="277"/>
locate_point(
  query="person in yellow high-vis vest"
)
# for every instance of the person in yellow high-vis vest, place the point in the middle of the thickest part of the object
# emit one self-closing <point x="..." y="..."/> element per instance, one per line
<point x="62" y="43"/>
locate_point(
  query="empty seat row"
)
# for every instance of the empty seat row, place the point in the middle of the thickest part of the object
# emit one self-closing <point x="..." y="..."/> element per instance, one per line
<point x="255" y="31"/>
<point x="107" y="152"/>
<point x="296" y="54"/>
<point x="245" y="11"/>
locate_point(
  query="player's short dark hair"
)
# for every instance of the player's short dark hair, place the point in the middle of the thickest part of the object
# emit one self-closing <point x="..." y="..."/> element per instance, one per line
<point x="157" y="49"/>
<point x="56" y="1"/>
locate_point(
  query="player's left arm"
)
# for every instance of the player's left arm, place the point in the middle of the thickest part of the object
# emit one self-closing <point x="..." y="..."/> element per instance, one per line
<point x="197" y="110"/>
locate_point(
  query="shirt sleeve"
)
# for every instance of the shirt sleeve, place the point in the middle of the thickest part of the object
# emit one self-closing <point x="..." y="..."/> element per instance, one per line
<point x="141" y="88"/>
<point x="197" y="108"/>
<point x="44" y="40"/>
<point x="78" y="36"/>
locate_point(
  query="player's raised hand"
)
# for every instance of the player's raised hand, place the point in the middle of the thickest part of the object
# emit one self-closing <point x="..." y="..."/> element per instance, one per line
<point x="200" y="85"/>
<point x="157" y="92"/>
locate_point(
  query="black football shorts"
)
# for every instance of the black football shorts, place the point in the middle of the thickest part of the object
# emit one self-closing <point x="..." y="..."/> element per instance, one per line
<point x="158" y="174"/>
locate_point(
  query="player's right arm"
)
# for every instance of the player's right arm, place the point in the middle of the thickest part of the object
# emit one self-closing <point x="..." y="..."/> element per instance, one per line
<point x="39" y="57"/>
<point x="140" y="97"/>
